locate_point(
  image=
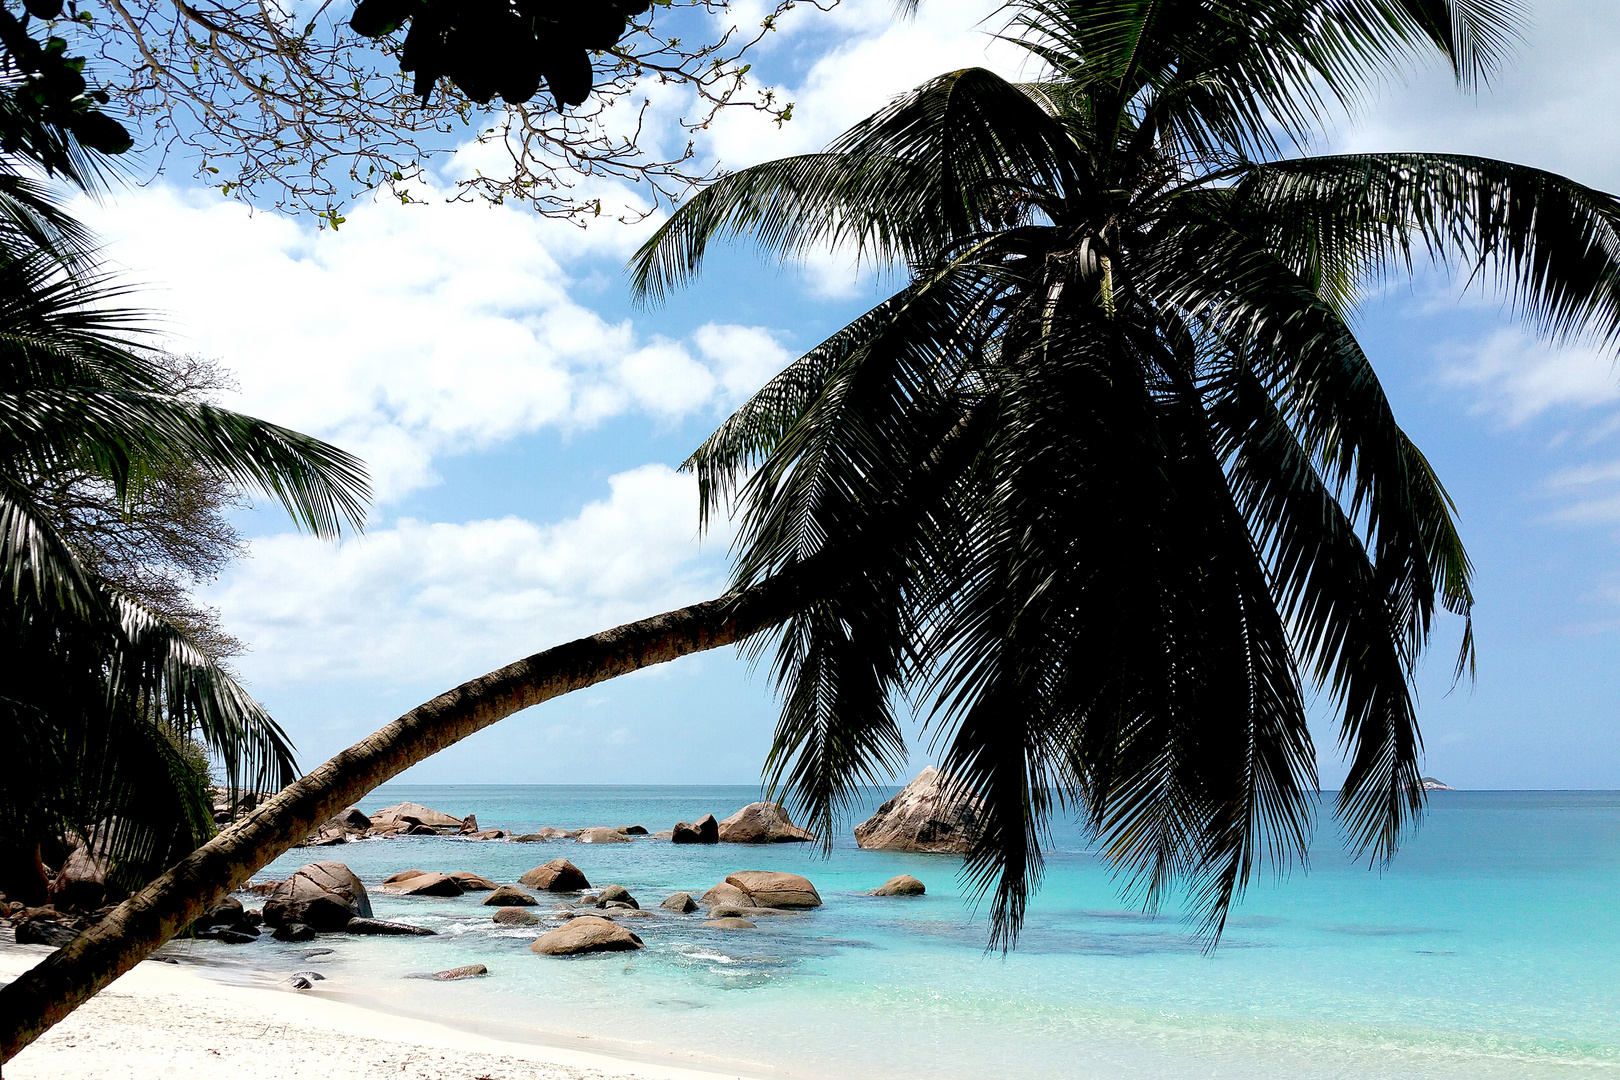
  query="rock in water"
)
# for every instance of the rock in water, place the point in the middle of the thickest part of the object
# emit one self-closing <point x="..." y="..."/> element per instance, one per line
<point x="469" y="824"/>
<point x="727" y="894"/>
<point x="587" y="933"/>
<point x="382" y="926"/>
<point x="44" y="931"/>
<point x="680" y="901"/>
<point x="705" y="830"/>
<point x="429" y="885"/>
<point x="324" y="895"/>
<point x="731" y="923"/>
<point x="470" y="971"/>
<point x="762" y="823"/>
<point x="904" y="885"/>
<point x="473" y="882"/>
<point x="403" y="875"/>
<point x="390" y="817"/>
<point x="602" y="836"/>
<point x="558" y="875"/>
<point x="294" y="931"/>
<point x="516" y="916"/>
<point x="774" y="889"/>
<point x="927" y="815"/>
<point x="635" y="830"/>
<point x="615" y="894"/>
<point x="509" y="896"/>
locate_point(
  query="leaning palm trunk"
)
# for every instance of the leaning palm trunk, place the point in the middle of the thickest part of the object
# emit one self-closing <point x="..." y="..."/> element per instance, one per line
<point x="73" y="974"/>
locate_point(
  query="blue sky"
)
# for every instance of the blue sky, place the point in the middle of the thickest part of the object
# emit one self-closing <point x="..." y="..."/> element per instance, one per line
<point x="523" y="422"/>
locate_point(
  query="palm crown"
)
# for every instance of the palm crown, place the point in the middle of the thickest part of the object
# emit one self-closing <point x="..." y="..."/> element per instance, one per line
<point x="1111" y="480"/>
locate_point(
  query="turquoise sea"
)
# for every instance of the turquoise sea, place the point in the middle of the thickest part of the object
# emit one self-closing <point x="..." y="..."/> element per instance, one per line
<point x="1491" y="948"/>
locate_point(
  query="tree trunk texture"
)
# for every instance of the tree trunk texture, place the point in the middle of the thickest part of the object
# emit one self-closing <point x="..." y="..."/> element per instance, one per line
<point x="76" y="972"/>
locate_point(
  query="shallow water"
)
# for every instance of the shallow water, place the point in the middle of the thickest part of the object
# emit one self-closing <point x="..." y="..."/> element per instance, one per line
<point x="1489" y="949"/>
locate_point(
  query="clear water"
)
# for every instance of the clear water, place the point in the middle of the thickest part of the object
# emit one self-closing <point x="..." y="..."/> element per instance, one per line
<point x="1490" y="949"/>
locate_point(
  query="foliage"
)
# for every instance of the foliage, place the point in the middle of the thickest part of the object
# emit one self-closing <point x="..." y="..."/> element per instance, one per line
<point x="282" y="107"/>
<point x="163" y="539"/>
<point x="102" y="699"/>
<point x="1110" y="482"/>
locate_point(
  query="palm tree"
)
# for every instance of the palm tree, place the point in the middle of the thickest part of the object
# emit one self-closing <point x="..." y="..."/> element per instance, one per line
<point x="1107" y="482"/>
<point x="106" y="704"/>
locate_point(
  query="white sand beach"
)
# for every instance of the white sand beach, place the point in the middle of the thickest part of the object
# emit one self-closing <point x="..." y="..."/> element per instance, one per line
<point x="166" y="1020"/>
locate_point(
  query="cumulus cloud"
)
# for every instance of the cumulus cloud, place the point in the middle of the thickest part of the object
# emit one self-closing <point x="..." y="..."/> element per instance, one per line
<point x="1517" y="378"/>
<point x="414" y="331"/>
<point x="442" y="601"/>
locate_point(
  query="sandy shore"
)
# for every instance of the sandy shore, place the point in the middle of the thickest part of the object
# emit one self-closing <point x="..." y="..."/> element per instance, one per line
<point x="165" y="1020"/>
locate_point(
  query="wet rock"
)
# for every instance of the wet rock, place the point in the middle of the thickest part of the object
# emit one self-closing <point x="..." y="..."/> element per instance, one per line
<point x="429" y="885"/>
<point x="509" y="896"/>
<point x="705" y="830"/>
<point x="313" y="953"/>
<point x="616" y="894"/>
<point x="547" y="833"/>
<point x="294" y="931"/>
<point x="681" y="902"/>
<point x="469" y="971"/>
<point x="601" y="836"/>
<point x="324" y="895"/>
<point x="731" y="923"/>
<point x="45" y="931"/>
<point x="587" y="933"/>
<point x="929" y="814"/>
<point x="727" y="911"/>
<point x="230" y="935"/>
<point x="635" y="830"/>
<point x="471" y="882"/>
<point x="516" y="916"/>
<point x="384" y="927"/>
<point x="558" y="875"/>
<point x="416" y="828"/>
<point x="469" y="824"/>
<point x="299" y="982"/>
<point x="775" y="889"/>
<point x="488" y="834"/>
<point x="313" y="976"/>
<point x="903" y="885"/>
<point x="228" y="912"/>
<point x="664" y="835"/>
<point x="762" y="823"/>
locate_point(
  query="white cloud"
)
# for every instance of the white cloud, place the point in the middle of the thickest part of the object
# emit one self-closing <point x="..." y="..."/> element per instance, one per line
<point x="411" y="333"/>
<point x="442" y="602"/>
<point x="1518" y="378"/>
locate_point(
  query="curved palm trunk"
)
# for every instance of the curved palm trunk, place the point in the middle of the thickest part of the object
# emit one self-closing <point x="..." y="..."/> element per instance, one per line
<point x="71" y="975"/>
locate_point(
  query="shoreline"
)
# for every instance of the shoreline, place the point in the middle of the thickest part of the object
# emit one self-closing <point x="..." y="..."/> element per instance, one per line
<point x="162" y="1019"/>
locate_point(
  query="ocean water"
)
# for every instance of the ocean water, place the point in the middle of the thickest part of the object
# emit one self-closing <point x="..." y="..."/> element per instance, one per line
<point x="1491" y="948"/>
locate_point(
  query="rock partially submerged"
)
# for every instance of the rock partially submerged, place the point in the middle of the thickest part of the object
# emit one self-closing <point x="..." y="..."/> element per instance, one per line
<point x="602" y="835"/>
<point x="775" y="889"/>
<point x="472" y="882"/>
<point x="558" y="875"/>
<point x="731" y="922"/>
<point x="383" y="926"/>
<point x="681" y="902"/>
<point x="929" y="814"/>
<point x="547" y="833"/>
<point x="323" y="895"/>
<point x="615" y="894"/>
<point x="903" y="885"/>
<point x="428" y="885"/>
<point x="509" y="896"/>
<point x="586" y="933"/>
<point x="762" y="823"/>
<point x="705" y="830"/>
<point x="516" y="916"/>
<point x="407" y="817"/>
<point x="469" y="971"/>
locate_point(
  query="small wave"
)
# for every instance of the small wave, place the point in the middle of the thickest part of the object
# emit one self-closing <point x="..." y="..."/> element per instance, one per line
<point x="705" y="954"/>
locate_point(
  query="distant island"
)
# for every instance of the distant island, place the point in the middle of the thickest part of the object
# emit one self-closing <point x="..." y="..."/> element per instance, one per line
<point x="1431" y="784"/>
